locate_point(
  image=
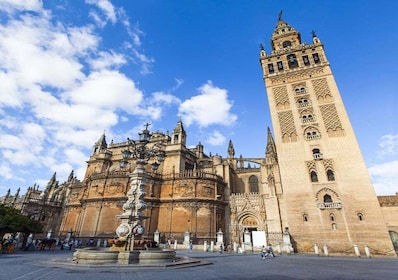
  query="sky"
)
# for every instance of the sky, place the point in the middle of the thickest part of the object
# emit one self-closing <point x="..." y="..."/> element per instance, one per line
<point x="72" y="70"/>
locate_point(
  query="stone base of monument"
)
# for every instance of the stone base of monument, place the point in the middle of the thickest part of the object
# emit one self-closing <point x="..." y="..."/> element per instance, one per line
<point x="105" y="256"/>
<point x="95" y="256"/>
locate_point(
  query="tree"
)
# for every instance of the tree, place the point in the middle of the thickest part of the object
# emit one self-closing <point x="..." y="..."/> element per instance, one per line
<point x="12" y="221"/>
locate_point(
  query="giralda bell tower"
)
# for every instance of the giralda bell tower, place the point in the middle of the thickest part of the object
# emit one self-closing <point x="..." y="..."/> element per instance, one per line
<point x="328" y="197"/>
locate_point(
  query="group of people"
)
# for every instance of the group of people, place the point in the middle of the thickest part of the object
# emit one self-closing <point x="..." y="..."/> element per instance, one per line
<point x="267" y="252"/>
<point x="7" y="245"/>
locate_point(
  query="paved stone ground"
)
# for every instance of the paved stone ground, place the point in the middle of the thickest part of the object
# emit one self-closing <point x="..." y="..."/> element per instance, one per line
<point x="56" y="265"/>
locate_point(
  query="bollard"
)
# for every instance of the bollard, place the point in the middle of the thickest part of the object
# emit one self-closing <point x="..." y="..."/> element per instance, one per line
<point x="287" y="246"/>
<point x="235" y="247"/>
<point x="175" y="244"/>
<point x="278" y="249"/>
<point x="212" y="246"/>
<point x="367" y="251"/>
<point x="205" y="246"/>
<point x="316" y="249"/>
<point x="356" y="250"/>
<point x="325" y="250"/>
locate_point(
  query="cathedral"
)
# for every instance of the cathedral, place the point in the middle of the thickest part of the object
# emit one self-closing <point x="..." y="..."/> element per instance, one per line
<point x="310" y="188"/>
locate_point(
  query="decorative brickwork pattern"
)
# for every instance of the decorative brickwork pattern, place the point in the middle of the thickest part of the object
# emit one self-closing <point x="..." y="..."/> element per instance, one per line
<point x="280" y="95"/>
<point x="311" y="165"/>
<point x="287" y="123"/>
<point x="321" y="88"/>
<point x="330" y="117"/>
<point x="296" y="75"/>
<point x="328" y="164"/>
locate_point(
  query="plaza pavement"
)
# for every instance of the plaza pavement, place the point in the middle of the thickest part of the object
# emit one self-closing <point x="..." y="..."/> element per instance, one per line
<point x="57" y="264"/>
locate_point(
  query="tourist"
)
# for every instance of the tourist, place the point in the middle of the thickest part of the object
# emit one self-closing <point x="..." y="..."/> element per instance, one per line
<point x="270" y="251"/>
<point x="264" y="253"/>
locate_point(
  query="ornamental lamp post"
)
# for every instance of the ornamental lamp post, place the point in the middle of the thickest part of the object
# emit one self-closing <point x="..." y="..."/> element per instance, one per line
<point x="131" y="226"/>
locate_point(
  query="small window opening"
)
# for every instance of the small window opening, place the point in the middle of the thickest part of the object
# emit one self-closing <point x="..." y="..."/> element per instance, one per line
<point x="306" y="60"/>
<point x="314" y="177"/>
<point x="305" y="218"/>
<point x="327" y="198"/>
<point x="271" y="68"/>
<point x="332" y="218"/>
<point x="286" y="44"/>
<point x="360" y="216"/>
<point x="316" y="154"/>
<point x="292" y="61"/>
<point x="315" y="56"/>
<point x="330" y="175"/>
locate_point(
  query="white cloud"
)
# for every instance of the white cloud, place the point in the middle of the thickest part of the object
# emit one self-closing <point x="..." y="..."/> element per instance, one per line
<point x="59" y="89"/>
<point x="385" y="177"/>
<point x="389" y="146"/>
<point x="216" y="139"/>
<point x="107" y="60"/>
<point x="106" y="7"/>
<point x="210" y="107"/>
<point x="145" y="61"/>
<point x="108" y="90"/>
<point x="15" y="5"/>
<point x="164" y="98"/>
<point x="6" y="171"/>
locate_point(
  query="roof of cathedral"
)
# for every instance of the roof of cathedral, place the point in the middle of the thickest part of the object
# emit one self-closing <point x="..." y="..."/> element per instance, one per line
<point x="388" y="200"/>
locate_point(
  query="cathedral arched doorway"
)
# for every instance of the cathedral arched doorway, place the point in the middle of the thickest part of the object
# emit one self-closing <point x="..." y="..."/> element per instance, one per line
<point x="250" y="231"/>
<point x="249" y="224"/>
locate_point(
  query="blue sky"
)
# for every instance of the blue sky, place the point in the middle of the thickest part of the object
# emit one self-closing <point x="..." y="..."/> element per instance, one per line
<point x="70" y="70"/>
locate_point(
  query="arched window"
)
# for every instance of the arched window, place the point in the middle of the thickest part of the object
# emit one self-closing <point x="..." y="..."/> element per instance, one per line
<point x="303" y="102"/>
<point x="327" y="198"/>
<point x="334" y="226"/>
<point x="253" y="184"/>
<point x="300" y="89"/>
<point x="286" y="44"/>
<point x="316" y="154"/>
<point x="292" y="61"/>
<point x="332" y="218"/>
<point x="314" y="176"/>
<point x="360" y="216"/>
<point x="311" y="133"/>
<point x="305" y="218"/>
<point x="307" y="116"/>
<point x="330" y="175"/>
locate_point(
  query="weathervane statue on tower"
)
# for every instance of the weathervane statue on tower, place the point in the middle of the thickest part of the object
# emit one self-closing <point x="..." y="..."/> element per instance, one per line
<point x="280" y="15"/>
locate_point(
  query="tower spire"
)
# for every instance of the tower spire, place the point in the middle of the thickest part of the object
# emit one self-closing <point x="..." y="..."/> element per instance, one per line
<point x="270" y="153"/>
<point x="231" y="150"/>
<point x="100" y="145"/>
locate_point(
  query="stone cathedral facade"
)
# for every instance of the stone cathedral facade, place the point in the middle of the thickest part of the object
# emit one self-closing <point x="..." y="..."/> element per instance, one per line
<point x="310" y="187"/>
